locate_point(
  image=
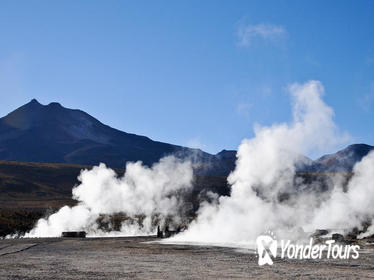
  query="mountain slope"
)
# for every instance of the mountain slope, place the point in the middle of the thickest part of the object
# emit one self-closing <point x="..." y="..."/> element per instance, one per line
<point x="52" y="133"/>
<point x="29" y="191"/>
<point x="344" y="160"/>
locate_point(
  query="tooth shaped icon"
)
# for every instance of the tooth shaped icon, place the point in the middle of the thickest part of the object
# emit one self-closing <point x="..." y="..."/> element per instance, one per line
<point x="266" y="248"/>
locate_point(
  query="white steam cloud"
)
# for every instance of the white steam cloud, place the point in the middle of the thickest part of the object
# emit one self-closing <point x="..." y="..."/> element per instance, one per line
<point x="349" y="209"/>
<point x="141" y="191"/>
<point x="266" y="193"/>
<point x="265" y="169"/>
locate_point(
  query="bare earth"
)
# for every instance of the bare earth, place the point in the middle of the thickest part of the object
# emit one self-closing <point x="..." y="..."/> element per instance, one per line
<point x="133" y="258"/>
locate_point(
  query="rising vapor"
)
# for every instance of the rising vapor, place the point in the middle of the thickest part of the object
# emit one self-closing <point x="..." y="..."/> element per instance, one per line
<point x="141" y="191"/>
<point x="266" y="169"/>
<point x="266" y="193"/>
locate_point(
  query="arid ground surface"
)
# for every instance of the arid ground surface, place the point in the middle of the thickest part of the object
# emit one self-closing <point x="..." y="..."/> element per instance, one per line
<point x="134" y="258"/>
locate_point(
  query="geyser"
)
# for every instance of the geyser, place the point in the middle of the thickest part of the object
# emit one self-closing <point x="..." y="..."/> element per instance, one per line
<point x="265" y="169"/>
<point x="141" y="191"/>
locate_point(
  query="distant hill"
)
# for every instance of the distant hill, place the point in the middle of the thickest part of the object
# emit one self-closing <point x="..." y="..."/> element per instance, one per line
<point x="341" y="161"/>
<point x="52" y="133"/>
<point x="25" y="185"/>
<point x="344" y="160"/>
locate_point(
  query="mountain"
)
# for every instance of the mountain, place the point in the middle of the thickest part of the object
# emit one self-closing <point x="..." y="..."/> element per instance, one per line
<point x="344" y="160"/>
<point x="341" y="161"/>
<point x="52" y="133"/>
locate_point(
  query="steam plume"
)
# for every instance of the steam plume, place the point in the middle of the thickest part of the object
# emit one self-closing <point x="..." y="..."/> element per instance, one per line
<point x="266" y="193"/>
<point x="141" y="191"/>
<point x="265" y="169"/>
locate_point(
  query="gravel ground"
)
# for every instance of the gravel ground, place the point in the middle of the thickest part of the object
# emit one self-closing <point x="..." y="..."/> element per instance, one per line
<point x="134" y="258"/>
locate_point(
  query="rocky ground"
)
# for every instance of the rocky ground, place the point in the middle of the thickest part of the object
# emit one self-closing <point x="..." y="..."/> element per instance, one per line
<point x="135" y="258"/>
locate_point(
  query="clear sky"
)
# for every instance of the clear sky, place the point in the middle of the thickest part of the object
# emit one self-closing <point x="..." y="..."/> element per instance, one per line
<point x="196" y="73"/>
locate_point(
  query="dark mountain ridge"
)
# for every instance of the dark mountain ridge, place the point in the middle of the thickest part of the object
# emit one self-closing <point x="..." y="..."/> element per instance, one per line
<point x="52" y="133"/>
<point x="344" y="160"/>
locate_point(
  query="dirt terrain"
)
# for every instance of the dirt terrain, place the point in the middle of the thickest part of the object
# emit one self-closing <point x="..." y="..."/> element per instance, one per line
<point x="136" y="258"/>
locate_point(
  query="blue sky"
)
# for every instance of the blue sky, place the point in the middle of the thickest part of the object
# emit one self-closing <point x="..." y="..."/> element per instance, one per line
<point x="197" y="73"/>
